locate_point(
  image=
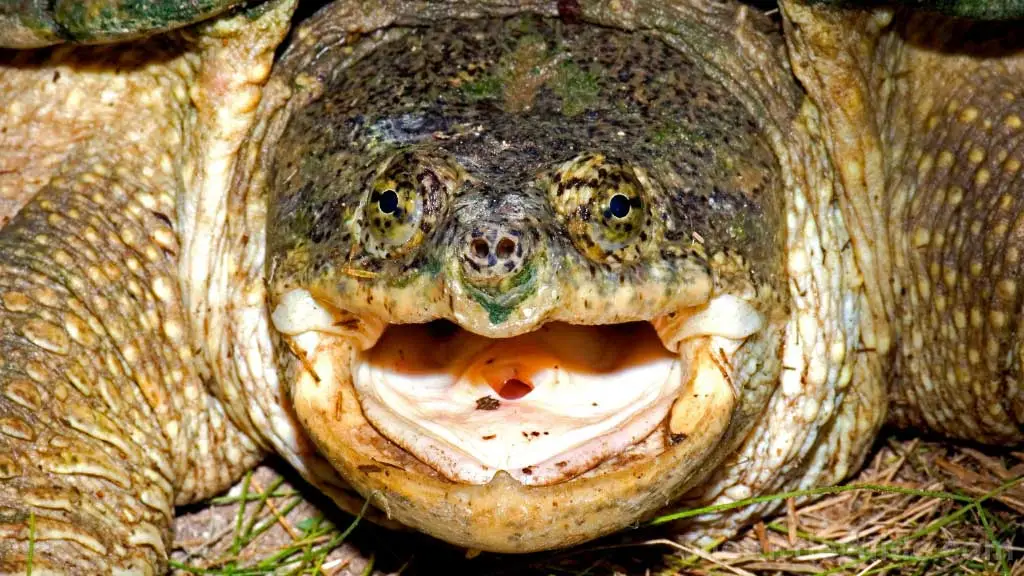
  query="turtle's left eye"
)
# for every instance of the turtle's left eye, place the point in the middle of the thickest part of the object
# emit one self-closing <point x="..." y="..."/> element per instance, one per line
<point x="602" y="205"/>
<point x="623" y="211"/>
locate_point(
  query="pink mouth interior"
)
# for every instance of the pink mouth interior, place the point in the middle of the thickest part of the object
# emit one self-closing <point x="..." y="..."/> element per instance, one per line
<point x="512" y="389"/>
<point x="512" y="379"/>
<point x="543" y="406"/>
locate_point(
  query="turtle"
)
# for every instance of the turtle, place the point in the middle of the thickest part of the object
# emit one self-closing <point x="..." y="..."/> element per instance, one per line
<point x="519" y="275"/>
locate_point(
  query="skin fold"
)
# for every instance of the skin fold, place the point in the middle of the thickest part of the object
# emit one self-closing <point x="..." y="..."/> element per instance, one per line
<point x="815" y="167"/>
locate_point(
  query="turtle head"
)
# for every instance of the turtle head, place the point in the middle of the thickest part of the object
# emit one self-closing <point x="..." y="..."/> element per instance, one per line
<point x="499" y="244"/>
<point x="520" y="320"/>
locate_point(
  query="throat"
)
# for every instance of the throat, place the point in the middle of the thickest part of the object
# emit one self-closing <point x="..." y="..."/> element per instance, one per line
<point x="543" y="406"/>
<point x="512" y="388"/>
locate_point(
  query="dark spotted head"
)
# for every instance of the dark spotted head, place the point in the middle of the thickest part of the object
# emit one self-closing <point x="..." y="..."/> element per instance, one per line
<point x="517" y="186"/>
<point x="507" y="173"/>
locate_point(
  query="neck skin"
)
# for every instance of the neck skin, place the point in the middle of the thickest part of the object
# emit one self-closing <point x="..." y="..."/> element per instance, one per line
<point x="927" y="124"/>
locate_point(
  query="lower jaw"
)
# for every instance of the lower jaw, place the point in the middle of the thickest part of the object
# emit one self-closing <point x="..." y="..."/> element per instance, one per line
<point x="583" y="396"/>
<point x="504" y="515"/>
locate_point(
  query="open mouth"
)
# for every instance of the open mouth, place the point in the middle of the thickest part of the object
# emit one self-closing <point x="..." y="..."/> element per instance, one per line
<point x="544" y="406"/>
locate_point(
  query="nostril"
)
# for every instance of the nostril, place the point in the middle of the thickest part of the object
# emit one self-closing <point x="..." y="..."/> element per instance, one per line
<point x="505" y="248"/>
<point x="480" y="248"/>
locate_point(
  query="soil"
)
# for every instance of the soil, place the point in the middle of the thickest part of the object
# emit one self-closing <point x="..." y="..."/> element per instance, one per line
<point x="927" y="507"/>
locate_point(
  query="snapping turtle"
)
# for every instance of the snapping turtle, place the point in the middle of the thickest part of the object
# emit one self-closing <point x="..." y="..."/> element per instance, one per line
<point x="520" y="280"/>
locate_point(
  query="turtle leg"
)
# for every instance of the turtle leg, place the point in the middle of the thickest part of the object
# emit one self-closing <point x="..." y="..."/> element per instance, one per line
<point x="98" y="395"/>
<point x="105" y="420"/>
<point x="957" y="227"/>
<point x="926" y="120"/>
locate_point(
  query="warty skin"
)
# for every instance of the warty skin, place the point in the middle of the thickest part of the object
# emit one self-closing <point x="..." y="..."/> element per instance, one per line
<point x="139" y="368"/>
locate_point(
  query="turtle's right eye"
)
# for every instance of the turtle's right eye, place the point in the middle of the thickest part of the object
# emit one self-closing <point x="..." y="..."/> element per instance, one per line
<point x="394" y="212"/>
<point x="405" y="202"/>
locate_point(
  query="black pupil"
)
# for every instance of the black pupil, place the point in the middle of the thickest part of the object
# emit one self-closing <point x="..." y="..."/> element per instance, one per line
<point x="619" y="206"/>
<point x="388" y="202"/>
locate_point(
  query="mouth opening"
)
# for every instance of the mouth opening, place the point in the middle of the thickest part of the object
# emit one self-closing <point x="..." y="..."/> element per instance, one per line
<point x="512" y="388"/>
<point x="543" y="406"/>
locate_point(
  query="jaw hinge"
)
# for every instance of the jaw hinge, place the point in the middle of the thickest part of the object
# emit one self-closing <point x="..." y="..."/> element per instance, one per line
<point x="301" y="356"/>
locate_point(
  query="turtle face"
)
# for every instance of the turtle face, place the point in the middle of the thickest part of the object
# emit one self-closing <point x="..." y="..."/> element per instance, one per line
<point x="524" y="272"/>
<point x="497" y="239"/>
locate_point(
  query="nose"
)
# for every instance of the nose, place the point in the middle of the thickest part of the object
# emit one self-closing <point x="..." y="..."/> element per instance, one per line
<point x="493" y="252"/>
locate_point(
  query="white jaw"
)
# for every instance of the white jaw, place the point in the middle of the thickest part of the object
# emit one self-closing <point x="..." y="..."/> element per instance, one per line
<point x="544" y="406"/>
<point x="587" y="393"/>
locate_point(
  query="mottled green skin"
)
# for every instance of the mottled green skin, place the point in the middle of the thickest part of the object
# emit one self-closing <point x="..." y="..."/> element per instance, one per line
<point x="32" y="23"/>
<point x="512" y="124"/>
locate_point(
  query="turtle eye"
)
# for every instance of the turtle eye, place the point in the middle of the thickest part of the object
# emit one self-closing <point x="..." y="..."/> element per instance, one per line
<point x="618" y="206"/>
<point x="407" y="197"/>
<point x="602" y="205"/>
<point x="388" y="202"/>
<point x="394" y="212"/>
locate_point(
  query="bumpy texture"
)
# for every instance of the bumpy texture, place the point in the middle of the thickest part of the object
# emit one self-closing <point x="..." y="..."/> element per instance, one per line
<point x="105" y="423"/>
<point x="929" y="165"/>
<point x="500" y="174"/>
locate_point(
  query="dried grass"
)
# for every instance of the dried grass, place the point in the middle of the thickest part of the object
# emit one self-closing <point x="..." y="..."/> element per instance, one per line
<point x="919" y="507"/>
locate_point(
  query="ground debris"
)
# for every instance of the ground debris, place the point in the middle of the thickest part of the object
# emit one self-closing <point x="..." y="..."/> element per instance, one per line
<point x="918" y="507"/>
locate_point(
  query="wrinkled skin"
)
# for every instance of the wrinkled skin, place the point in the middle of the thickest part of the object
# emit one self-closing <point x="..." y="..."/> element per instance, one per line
<point x="867" y="215"/>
